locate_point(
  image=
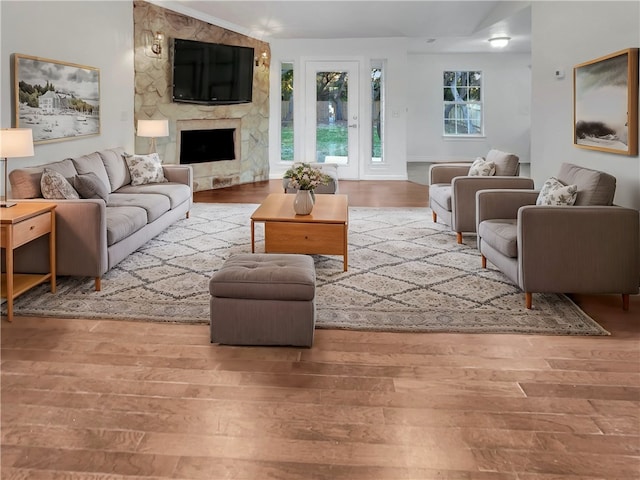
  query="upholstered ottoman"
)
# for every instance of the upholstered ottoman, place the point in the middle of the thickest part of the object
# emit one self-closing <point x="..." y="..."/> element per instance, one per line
<point x="264" y="299"/>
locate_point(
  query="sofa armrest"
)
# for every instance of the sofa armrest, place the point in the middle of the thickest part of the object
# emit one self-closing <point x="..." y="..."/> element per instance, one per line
<point x="579" y="249"/>
<point x="81" y="240"/>
<point x="445" y="172"/>
<point x="463" y="197"/>
<point x="179" y="174"/>
<point x="502" y="203"/>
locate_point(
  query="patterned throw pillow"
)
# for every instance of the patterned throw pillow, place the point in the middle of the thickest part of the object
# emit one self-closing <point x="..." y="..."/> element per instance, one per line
<point x="482" y="168"/>
<point x="145" y="169"/>
<point x="55" y="187"/>
<point x="554" y="192"/>
<point x="89" y="185"/>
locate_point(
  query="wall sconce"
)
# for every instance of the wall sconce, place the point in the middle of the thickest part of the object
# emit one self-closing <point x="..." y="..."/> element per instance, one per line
<point x="153" y="129"/>
<point x="156" y="45"/>
<point x="499" y="42"/>
<point x="263" y="59"/>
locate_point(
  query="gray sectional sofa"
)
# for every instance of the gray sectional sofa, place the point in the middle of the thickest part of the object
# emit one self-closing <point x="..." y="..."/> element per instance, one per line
<point x="94" y="234"/>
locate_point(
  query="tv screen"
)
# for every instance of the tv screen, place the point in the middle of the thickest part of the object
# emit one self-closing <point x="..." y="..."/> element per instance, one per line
<point x="211" y="73"/>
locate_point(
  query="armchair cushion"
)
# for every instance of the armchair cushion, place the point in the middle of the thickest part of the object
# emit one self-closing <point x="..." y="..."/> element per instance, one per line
<point x="482" y="168"/>
<point x="441" y="193"/>
<point x="554" y="192"/>
<point x="502" y="235"/>
<point x="594" y="187"/>
<point x="507" y="164"/>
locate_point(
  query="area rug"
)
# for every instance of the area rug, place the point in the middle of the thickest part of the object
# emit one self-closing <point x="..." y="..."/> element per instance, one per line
<point x="405" y="273"/>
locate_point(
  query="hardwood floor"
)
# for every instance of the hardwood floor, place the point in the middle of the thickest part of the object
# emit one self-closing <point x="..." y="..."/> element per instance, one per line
<point x="106" y="400"/>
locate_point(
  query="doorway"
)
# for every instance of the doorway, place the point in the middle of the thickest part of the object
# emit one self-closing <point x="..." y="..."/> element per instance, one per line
<point x="332" y="123"/>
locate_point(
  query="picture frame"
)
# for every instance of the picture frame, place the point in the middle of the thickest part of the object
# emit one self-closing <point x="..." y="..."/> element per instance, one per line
<point x="605" y="103"/>
<point x="57" y="100"/>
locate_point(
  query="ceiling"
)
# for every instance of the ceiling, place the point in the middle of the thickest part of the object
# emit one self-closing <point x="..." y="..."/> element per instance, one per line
<point x="429" y="26"/>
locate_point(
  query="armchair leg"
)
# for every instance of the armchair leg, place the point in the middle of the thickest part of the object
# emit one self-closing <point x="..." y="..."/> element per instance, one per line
<point x="528" y="300"/>
<point x="459" y="237"/>
<point x="434" y="215"/>
<point x="98" y="284"/>
<point x="484" y="261"/>
<point x="625" y="302"/>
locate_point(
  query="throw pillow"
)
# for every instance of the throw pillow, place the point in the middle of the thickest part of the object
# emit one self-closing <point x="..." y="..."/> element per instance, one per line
<point x="554" y="192"/>
<point x="482" y="168"/>
<point x="55" y="187"/>
<point x="89" y="185"/>
<point x="145" y="169"/>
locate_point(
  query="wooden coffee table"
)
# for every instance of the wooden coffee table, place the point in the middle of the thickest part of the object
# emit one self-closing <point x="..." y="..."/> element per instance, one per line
<point x="322" y="232"/>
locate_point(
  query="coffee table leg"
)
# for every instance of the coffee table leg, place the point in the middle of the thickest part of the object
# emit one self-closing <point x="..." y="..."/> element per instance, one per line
<point x="345" y="249"/>
<point x="253" y="245"/>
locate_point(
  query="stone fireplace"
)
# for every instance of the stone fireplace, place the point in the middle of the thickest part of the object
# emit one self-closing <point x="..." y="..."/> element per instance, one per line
<point x="212" y="173"/>
<point x="249" y="161"/>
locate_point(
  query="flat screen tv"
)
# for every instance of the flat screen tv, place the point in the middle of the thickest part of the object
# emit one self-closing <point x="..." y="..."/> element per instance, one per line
<point x="211" y="73"/>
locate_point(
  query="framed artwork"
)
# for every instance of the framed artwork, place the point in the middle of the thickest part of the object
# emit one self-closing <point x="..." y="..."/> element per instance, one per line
<point x="57" y="100"/>
<point x="605" y="103"/>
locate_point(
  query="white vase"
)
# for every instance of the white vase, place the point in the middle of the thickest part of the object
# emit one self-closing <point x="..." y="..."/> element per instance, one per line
<point x="303" y="203"/>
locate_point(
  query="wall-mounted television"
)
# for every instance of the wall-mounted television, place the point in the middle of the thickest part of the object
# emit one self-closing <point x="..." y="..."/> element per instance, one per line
<point x="211" y="73"/>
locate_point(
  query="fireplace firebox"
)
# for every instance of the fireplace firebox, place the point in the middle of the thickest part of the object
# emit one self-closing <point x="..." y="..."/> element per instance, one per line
<point x="212" y="145"/>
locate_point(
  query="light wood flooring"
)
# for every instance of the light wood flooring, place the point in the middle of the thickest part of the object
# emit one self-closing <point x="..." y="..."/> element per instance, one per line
<point x="114" y="400"/>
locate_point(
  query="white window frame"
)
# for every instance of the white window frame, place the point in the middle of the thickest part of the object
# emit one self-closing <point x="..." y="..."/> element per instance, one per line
<point x="463" y="104"/>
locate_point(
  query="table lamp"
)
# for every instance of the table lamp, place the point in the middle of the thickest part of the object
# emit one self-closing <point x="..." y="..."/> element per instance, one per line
<point x="14" y="142"/>
<point x="153" y="129"/>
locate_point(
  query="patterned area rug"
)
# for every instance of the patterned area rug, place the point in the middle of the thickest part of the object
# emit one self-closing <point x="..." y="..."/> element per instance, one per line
<point x="405" y="274"/>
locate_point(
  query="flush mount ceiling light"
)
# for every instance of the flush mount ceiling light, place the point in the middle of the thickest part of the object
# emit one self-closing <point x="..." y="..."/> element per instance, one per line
<point x="499" y="42"/>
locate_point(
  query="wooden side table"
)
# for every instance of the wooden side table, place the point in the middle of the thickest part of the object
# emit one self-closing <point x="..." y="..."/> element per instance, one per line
<point x="21" y="224"/>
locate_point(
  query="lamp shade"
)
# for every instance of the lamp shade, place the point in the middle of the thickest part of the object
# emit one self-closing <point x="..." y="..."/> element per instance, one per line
<point x="153" y="128"/>
<point x="16" y="142"/>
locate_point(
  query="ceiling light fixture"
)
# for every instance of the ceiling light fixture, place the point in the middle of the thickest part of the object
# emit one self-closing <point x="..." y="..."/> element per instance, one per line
<point x="499" y="42"/>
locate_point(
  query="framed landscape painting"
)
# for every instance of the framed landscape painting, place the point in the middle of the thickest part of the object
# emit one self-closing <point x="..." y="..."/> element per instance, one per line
<point x="57" y="100"/>
<point x="605" y="103"/>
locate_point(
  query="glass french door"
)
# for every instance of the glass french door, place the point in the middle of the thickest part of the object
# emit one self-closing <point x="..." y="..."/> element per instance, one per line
<point x="331" y="120"/>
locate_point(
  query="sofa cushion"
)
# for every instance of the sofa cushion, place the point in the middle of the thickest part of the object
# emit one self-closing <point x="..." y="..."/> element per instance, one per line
<point x="441" y="194"/>
<point x="554" y="192"/>
<point x="54" y="186"/>
<point x="501" y="234"/>
<point x="122" y="222"/>
<point x="176" y="192"/>
<point x="92" y="163"/>
<point x="116" y="167"/>
<point x="154" y="204"/>
<point x="145" y="169"/>
<point x="507" y="164"/>
<point x="482" y="168"/>
<point x="88" y="185"/>
<point x="25" y="182"/>
<point x="594" y="187"/>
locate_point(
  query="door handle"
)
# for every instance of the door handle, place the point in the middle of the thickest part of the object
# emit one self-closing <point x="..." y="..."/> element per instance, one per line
<point x="354" y="125"/>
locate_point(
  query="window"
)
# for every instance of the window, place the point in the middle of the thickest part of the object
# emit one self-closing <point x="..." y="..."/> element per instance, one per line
<point x="377" y="108"/>
<point x="462" y="103"/>
<point x="286" y="112"/>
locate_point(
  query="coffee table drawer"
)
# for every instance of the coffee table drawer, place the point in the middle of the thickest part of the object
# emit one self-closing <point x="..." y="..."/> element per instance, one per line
<point x="309" y="238"/>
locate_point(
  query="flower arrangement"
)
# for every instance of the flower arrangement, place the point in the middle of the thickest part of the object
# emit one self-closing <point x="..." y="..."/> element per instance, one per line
<point x="305" y="177"/>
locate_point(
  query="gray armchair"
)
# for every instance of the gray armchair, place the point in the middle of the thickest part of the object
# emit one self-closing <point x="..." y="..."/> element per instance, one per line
<point x="452" y="192"/>
<point x="590" y="247"/>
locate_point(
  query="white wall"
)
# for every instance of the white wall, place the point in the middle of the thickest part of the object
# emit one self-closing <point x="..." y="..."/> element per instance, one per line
<point x="96" y="34"/>
<point x="566" y="34"/>
<point x="393" y="52"/>
<point x="506" y="83"/>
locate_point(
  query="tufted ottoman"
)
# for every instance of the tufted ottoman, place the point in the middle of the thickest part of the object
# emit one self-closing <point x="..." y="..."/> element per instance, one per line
<point x="264" y="299"/>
